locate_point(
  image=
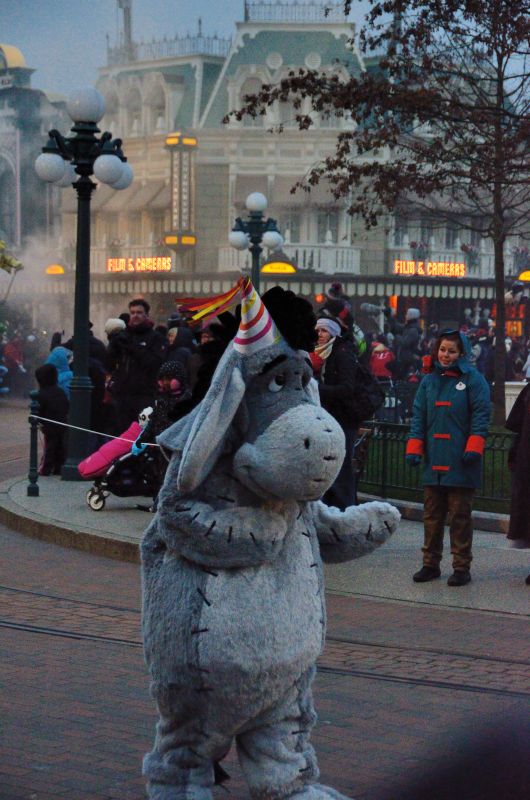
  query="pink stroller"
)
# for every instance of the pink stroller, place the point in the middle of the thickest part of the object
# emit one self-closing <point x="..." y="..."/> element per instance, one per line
<point x="117" y="471"/>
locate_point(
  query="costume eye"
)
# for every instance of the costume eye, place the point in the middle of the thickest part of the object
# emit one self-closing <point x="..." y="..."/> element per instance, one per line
<point x="277" y="383"/>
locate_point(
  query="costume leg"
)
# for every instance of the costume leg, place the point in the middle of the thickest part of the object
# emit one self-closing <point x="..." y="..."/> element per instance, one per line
<point x="434" y="514"/>
<point x="461" y="527"/>
<point x="275" y="754"/>
<point x="180" y="766"/>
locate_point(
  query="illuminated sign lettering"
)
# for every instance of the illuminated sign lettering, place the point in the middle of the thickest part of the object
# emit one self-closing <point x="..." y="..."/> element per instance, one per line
<point x="430" y="269"/>
<point x="140" y="264"/>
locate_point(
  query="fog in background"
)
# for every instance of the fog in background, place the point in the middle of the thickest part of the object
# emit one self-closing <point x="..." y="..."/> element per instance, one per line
<point x="65" y="41"/>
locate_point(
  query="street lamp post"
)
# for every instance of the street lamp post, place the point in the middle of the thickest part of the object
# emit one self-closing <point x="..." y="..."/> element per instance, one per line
<point x="250" y="234"/>
<point x="67" y="161"/>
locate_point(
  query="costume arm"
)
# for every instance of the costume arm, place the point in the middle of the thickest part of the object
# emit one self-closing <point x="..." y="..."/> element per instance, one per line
<point x="226" y="538"/>
<point x="349" y="534"/>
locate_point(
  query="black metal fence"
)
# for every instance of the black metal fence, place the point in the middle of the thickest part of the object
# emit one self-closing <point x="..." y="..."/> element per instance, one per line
<point x="387" y="474"/>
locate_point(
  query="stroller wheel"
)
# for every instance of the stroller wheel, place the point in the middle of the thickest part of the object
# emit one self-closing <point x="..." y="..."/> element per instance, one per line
<point x="95" y="500"/>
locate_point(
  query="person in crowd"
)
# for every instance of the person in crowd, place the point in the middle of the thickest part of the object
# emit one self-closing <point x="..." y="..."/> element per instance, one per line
<point x="334" y="366"/>
<point x="449" y="426"/>
<point x="214" y="339"/>
<point x="14" y="361"/>
<point x="113" y="325"/>
<point x="53" y="405"/>
<point x="134" y="357"/>
<point x="96" y="348"/>
<point x="381" y="359"/>
<point x="61" y="358"/>
<point x="338" y="307"/>
<point x="176" y="351"/>
<point x="173" y="402"/>
<point x="519" y="463"/>
<point x="407" y="341"/>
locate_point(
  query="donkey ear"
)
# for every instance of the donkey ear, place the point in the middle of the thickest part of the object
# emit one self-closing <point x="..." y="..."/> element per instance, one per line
<point x="212" y="424"/>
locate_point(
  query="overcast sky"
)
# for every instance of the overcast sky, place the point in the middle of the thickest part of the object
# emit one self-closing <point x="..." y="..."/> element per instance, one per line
<point x="65" y="40"/>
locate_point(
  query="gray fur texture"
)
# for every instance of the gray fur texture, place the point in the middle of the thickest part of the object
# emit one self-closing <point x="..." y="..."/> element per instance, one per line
<point x="233" y="594"/>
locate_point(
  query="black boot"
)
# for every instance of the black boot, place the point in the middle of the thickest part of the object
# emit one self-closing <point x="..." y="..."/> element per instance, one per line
<point x="426" y="574"/>
<point x="459" y="578"/>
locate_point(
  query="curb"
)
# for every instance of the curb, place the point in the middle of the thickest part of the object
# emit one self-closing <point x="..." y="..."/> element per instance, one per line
<point x="84" y="539"/>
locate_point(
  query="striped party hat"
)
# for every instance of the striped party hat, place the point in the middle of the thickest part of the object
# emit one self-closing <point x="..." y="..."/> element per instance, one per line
<point x="257" y="329"/>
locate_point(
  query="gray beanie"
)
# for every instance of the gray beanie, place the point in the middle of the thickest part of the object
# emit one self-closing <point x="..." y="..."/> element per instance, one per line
<point x="332" y="327"/>
<point x="114" y="325"/>
<point x="412" y="313"/>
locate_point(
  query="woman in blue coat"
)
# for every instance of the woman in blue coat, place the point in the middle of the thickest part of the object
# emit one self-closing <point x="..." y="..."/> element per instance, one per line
<point x="449" y="427"/>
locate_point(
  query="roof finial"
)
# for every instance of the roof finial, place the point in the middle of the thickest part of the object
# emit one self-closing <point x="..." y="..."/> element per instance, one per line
<point x="199" y="33"/>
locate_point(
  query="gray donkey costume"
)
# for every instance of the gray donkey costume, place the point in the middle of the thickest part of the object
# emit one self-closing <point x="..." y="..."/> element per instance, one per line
<point x="233" y="595"/>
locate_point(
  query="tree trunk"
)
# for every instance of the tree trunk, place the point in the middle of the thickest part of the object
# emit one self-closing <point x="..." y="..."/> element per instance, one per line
<point x="499" y="407"/>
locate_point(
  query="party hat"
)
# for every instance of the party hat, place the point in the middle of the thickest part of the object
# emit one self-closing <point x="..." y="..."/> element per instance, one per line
<point x="257" y="329"/>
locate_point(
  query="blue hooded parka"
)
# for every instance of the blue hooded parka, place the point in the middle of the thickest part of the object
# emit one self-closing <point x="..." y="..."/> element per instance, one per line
<point x="451" y="417"/>
<point x="60" y="358"/>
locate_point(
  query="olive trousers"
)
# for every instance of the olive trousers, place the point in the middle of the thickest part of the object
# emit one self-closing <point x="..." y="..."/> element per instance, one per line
<point x="455" y="503"/>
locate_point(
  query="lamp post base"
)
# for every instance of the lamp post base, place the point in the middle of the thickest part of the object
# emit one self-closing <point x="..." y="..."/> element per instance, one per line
<point x="69" y="471"/>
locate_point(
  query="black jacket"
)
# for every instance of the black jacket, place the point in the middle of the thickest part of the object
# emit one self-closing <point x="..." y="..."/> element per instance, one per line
<point x="134" y="357"/>
<point x="53" y="404"/>
<point x="337" y="383"/>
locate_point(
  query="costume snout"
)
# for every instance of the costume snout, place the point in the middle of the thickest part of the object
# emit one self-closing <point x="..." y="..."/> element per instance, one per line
<point x="297" y="457"/>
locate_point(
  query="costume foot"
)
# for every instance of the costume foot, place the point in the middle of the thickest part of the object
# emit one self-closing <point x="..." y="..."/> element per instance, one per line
<point x="426" y="574"/>
<point x="162" y="791"/>
<point x="459" y="578"/>
<point x="318" y="792"/>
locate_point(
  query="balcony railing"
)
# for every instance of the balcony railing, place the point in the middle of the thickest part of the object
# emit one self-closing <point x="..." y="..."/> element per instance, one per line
<point x="169" y="48"/>
<point x="294" y="12"/>
<point x="324" y="258"/>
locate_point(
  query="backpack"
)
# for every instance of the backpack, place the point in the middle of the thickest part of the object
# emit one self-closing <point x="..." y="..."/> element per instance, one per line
<point x="369" y="395"/>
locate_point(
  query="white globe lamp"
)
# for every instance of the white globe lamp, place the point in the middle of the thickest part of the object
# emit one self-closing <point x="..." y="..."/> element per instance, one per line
<point x="86" y="105"/>
<point x="126" y="178"/>
<point x="238" y="240"/>
<point x="272" y="240"/>
<point x="70" y="176"/>
<point x="256" y="202"/>
<point x="50" y="167"/>
<point x="108" y="169"/>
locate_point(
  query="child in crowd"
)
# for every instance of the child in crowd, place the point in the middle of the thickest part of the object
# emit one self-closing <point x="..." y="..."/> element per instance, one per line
<point x="53" y="405"/>
<point x="450" y="423"/>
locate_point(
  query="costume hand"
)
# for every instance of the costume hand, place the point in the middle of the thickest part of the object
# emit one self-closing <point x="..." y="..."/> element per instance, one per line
<point x="471" y="458"/>
<point x="413" y="460"/>
<point x="136" y="449"/>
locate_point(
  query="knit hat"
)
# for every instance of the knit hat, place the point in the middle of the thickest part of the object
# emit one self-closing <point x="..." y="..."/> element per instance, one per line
<point x="332" y="327"/>
<point x="334" y="291"/>
<point x="412" y="313"/>
<point x="114" y="325"/>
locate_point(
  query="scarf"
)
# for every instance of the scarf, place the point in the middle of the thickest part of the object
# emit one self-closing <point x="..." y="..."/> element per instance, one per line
<point x="320" y="354"/>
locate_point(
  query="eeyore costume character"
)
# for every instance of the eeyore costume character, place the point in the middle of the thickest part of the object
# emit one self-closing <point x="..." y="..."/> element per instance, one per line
<point x="233" y="594"/>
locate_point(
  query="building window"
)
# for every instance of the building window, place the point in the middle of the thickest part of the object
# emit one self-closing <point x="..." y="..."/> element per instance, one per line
<point x="135" y="228"/>
<point x="426" y="231"/>
<point x="250" y="87"/>
<point x="475" y="239"/>
<point x="287" y="115"/>
<point x="327" y="227"/>
<point x="111" y="228"/>
<point x="451" y="235"/>
<point x="401" y="230"/>
<point x="157" y="228"/>
<point x="291" y="222"/>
